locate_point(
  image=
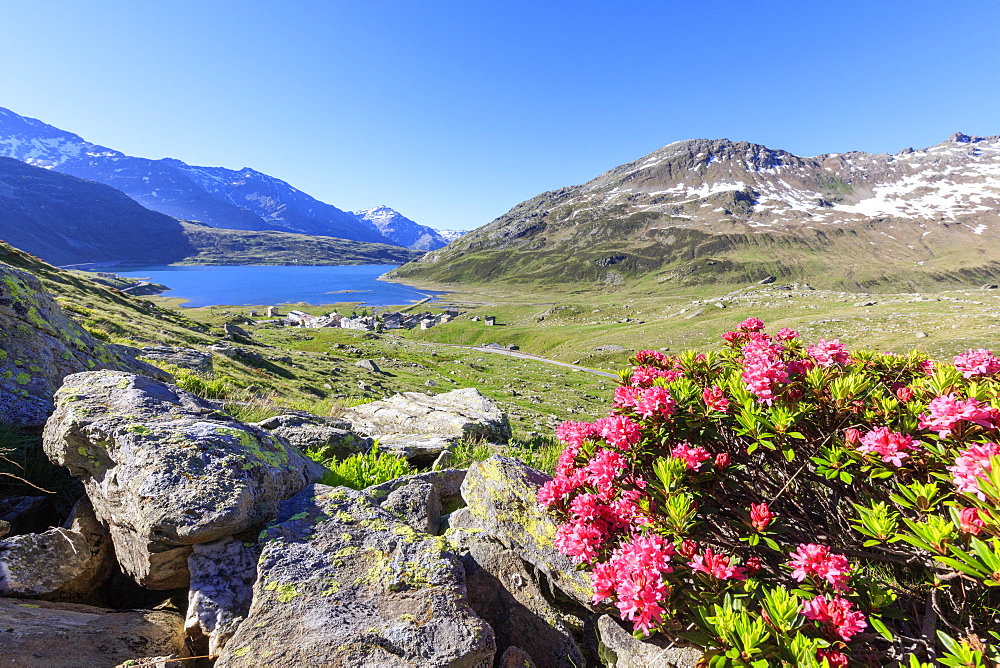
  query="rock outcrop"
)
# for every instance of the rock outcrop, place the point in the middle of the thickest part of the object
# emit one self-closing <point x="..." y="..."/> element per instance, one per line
<point x="500" y="493"/>
<point x="464" y="413"/>
<point x="185" y="358"/>
<point x="40" y="346"/>
<point x="66" y="635"/>
<point x="344" y="582"/>
<point x="330" y="437"/>
<point x="166" y="469"/>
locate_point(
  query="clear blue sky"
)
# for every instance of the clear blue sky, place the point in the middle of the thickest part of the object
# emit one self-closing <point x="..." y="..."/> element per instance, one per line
<point x="453" y="112"/>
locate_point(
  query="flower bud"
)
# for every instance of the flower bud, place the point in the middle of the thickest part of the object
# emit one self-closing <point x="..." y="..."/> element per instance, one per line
<point x="721" y="461"/>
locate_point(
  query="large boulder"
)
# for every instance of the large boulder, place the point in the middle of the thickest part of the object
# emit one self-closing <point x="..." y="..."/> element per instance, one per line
<point x="166" y="469"/>
<point x="501" y="496"/>
<point x="40" y="563"/>
<point x="511" y="598"/>
<point x="421" y="450"/>
<point x="40" y="346"/>
<point x="343" y="582"/>
<point x="222" y="577"/>
<point x="461" y="413"/>
<point x="329" y="437"/>
<point x="67" y="635"/>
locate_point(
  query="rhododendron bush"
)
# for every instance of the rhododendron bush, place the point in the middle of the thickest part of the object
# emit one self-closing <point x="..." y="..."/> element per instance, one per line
<point x="781" y="503"/>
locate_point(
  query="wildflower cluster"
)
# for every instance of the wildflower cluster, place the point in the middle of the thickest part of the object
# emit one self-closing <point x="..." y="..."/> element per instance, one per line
<point x="779" y="503"/>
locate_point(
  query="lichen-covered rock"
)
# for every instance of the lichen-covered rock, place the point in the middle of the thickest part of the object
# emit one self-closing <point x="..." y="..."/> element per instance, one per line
<point x="330" y="437"/>
<point x="66" y="635"/>
<point x="447" y="485"/>
<point x="342" y="582"/>
<point x="166" y="469"/>
<point x="461" y="413"/>
<point x="515" y="657"/>
<point x="501" y="495"/>
<point x="509" y="597"/>
<point x="421" y="450"/>
<point x="40" y="563"/>
<point x="222" y="577"/>
<point x="417" y="504"/>
<point x="619" y="649"/>
<point x="87" y="586"/>
<point x="185" y="358"/>
<point x="40" y="346"/>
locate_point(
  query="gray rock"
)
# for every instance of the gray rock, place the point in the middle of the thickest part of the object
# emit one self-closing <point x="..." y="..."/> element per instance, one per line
<point x="369" y="365"/>
<point x="459" y="414"/>
<point x="447" y="485"/>
<point x="40" y="346"/>
<point x="619" y="649"/>
<point x="767" y="281"/>
<point x="418" y="504"/>
<point x="515" y="657"/>
<point x="166" y="469"/>
<point x="610" y="348"/>
<point x="421" y="450"/>
<point x="243" y="355"/>
<point x="509" y="597"/>
<point x="87" y="587"/>
<point x="329" y="437"/>
<point x="28" y="514"/>
<point x="186" y="358"/>
<point x="236" y="333"/>
<point x="40" y="563"/>
<point x="920" y="335"/>
<point x="501" y="496"/>
<point x="990" y="286"/>
<point x="343" y="582"/>
<point x="430" y="383"/>
<point x="68" y="564"/>
<point x="222" y="577"/>
<point x="66" y="635"/>
<point x="4" y="528"/>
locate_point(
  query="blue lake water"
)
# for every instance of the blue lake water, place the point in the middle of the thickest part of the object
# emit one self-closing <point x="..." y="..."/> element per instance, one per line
<point x="211" y="286"/>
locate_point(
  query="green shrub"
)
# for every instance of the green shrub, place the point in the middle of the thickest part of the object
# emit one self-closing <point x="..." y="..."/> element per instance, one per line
<point x="361" y="470"/>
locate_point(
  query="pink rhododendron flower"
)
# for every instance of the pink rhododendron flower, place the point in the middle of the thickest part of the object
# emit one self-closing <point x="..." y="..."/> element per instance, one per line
<point x="946" y="411"/>
<point x="751" y="325"/>
<point x="852" y="436"/>
<point x="812" y="559"/>
<point x="693" y="456"/>
<point x="753" y="565"/>
<point x="828" y="353"/>
<point x="575" y="433"/>
<point x="626" y="396"/>
<point x="893" y="447"/>
<point x="928" y="367"/>
<point x="652" y="357"/>
<point x="715" y="399"/>
<point x="634" y="574"/>
<point x="603" y="471"/>
<point x="760" y="516"/>
<point x="836" y="615"/>
<point x="800" y="366"/>
<point x="719" y="565"/>
<point x="655" y="400"/>
<point x="763" y="368"/>
<point x="904" y="393"/>
<point x="977" y="363"/>
<point x="969" y="521"/>
<point x="580" y="540"/>
<point x="786" y="334"/>
<point x="730" y="337"/>
<point x="834" y="659"/>
<point x="972" y="465"/>
<point x="721" y="461"/>
<point x="643" y="376"/>
<point x="619" y="430"/>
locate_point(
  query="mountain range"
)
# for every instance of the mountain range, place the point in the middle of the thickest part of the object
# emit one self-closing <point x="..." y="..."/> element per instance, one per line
<point x="242" y="199"/>
<point x="68" y="220"/>
<point x="703" y="209"/>
<point x="403" y="231"/>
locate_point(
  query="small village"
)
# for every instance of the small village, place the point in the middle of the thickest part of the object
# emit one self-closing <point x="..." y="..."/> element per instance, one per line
<point x="369" y="323"/>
